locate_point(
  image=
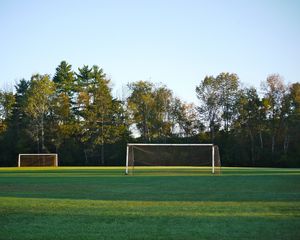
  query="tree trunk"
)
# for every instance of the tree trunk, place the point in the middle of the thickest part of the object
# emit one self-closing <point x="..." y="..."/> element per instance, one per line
<point x="102" y="154"/>
<point x="42" y="132"/>
<point x="286" y="144"/>
<point x="37" y="139"/>
<point x="252" y="148"/>
<point x="261" y="140"/>
<point x="212" y="132"/>
<point x="273" y="144"/>
<point x="145" y="129"/>
<point x="102" y="146"/>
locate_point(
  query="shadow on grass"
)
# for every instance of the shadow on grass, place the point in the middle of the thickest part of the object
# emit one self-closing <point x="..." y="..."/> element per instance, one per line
<point x="29" y="225"/>
<point x="159" y="188"/>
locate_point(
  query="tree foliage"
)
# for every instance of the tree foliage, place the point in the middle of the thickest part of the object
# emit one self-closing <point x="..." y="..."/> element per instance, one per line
<point x="39" y="99"/>
<point x="7" y="101"/>
<point x="76" y="115"/>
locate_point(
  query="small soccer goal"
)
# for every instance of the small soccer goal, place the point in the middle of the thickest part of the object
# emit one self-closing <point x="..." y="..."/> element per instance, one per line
<point x="175" y="155"/>
<point x="38" y="160"/>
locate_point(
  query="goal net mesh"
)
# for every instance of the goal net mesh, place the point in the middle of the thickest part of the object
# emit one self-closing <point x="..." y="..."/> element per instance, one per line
<point x="37" y="160"/>
<point x="182" y="155"/>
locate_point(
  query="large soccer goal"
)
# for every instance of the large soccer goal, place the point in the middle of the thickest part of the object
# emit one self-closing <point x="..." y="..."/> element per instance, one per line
<point x="193" y="155"/>
<point x="38" y="160"/>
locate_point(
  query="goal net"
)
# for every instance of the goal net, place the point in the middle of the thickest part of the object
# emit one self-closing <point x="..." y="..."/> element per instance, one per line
<point x="189" y="155"/>
<point x="38" y="160"/>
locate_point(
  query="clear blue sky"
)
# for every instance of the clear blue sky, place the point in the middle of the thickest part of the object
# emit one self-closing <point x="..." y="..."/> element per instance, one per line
<point x="174" y="42"/>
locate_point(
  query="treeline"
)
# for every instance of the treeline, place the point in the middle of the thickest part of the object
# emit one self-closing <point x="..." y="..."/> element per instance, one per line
<point x="75" y="114"/>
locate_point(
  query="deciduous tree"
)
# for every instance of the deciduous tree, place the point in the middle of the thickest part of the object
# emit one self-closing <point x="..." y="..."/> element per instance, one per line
<point x="7" y="101"/>
<point x="274" y="95"/>
<point x="208" y="92"/>
<point x="37" y="106"/>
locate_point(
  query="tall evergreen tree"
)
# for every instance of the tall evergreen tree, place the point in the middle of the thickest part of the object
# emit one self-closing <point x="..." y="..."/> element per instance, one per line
<point x="19" y="120"/>
<point x="101" y="121"/>
<point x="62" y="118"/>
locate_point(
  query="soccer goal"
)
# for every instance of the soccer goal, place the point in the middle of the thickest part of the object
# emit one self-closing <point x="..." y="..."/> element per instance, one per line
<point x="189" y="155"/>
<point x="38" y="160"/>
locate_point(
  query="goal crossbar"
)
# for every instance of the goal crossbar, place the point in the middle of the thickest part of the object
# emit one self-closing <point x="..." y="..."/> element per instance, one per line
<point x="131" y="145"/>
<point x="170" y="144"/>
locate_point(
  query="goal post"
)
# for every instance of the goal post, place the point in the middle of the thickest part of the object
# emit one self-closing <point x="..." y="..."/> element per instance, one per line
<point x="38" y="160"/>
<point x="143" y="154"/>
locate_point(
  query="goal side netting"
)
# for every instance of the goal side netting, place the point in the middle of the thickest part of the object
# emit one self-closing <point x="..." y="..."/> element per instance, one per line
<point x="38" y="160"/>
<point x="189" y="155"/>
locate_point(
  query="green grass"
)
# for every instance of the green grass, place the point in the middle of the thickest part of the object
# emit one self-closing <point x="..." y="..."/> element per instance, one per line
<point x="156" y="203"/>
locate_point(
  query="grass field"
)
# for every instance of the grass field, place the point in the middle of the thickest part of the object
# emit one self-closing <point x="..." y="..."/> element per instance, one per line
<point x="159" y="203"/>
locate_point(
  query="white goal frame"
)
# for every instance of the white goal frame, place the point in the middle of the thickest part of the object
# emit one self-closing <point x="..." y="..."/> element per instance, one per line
<point x="171" y="144"/>
<point x="39" y="154"/>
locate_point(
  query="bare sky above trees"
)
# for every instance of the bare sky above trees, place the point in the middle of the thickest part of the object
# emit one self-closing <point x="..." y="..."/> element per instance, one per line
<point x="174" y="42"/>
